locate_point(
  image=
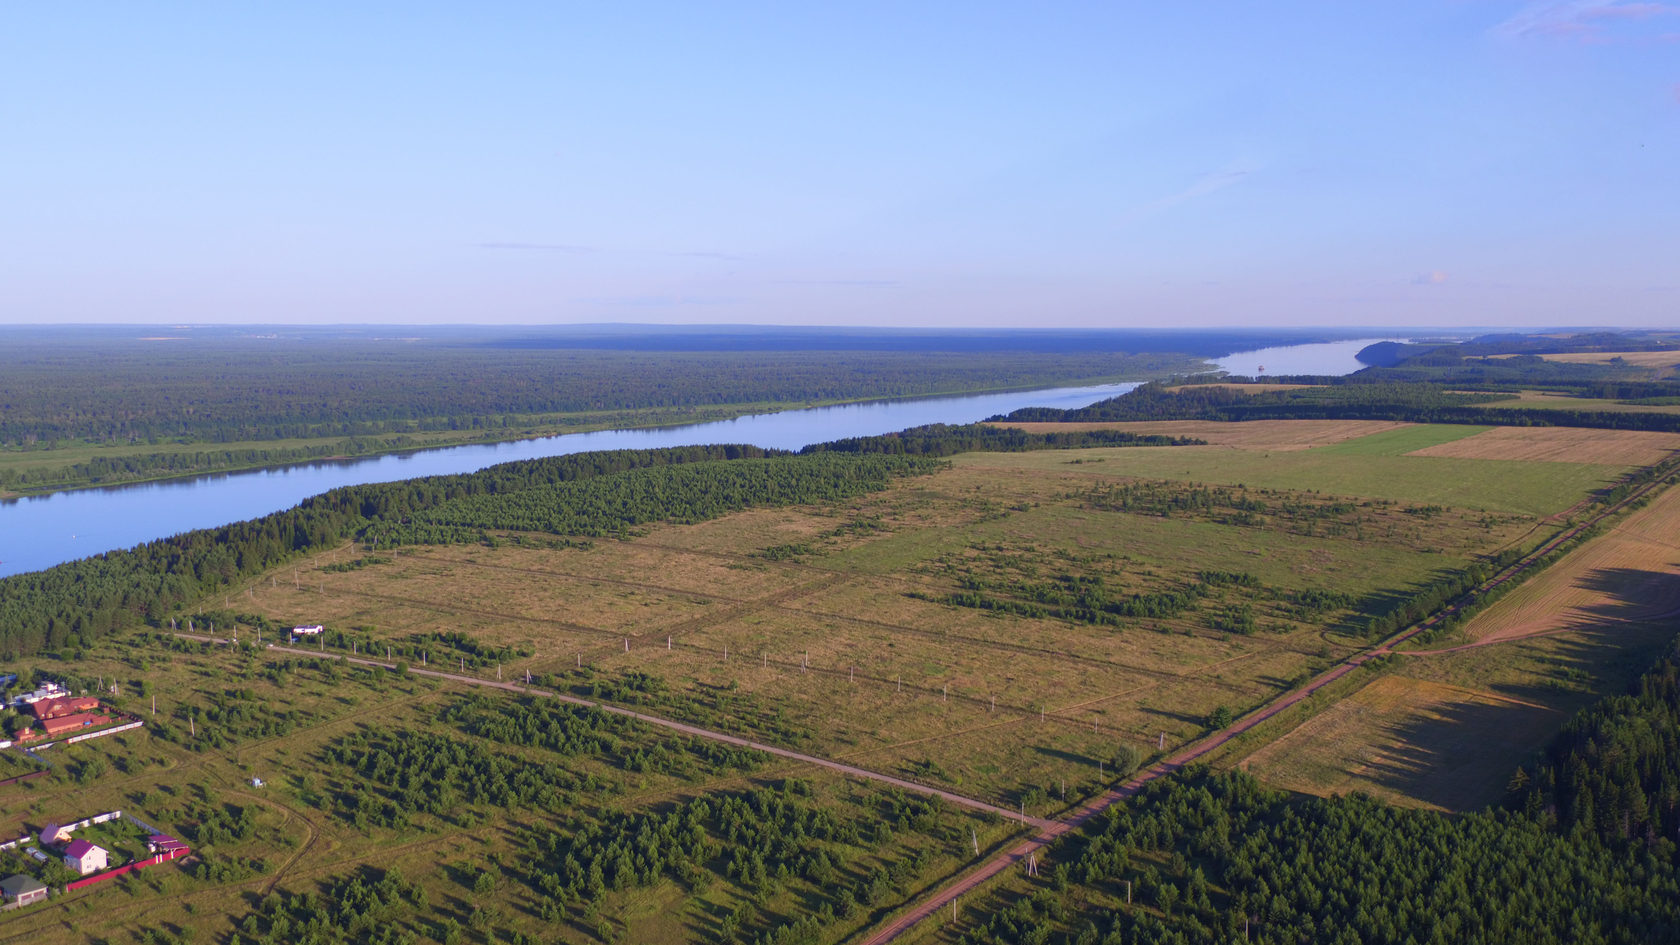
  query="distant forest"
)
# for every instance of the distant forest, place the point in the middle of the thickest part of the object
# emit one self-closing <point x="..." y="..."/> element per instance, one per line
<point x="1424" y="383"/>
<point x="215" y="386"/>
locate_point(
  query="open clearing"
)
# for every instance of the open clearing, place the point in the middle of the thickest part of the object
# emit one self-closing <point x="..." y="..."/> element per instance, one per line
<point x="1253" y="435"/>
<point x="1560" y="445"/>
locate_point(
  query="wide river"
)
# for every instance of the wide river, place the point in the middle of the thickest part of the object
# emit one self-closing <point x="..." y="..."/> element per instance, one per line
<point x="41" y="531"/>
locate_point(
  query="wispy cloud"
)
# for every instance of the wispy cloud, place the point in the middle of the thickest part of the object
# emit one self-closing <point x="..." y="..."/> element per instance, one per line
<point x="1203" y="186"/>
<point x="1585" y="20"/>
<point x="854" y="283"/>
<point x="659" y="301"/>
<point x="539" y="247"/>
<point x="1436" y="277"/>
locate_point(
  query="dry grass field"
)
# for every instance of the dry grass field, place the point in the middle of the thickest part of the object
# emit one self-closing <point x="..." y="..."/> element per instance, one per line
<point x="1560" y="445"/>
<point x="833" y="618"/>
<point x="1644" y="359"/>
<point x="1551" y="400"/>
<point x="1410" y="742"/>
<point x="1452" y="721"/>
<point x="1630" y="573"/>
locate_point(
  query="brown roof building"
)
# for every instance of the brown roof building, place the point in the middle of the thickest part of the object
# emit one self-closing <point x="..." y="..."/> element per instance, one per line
<point x="63" y="705"/>
<point x="67" y="723"/>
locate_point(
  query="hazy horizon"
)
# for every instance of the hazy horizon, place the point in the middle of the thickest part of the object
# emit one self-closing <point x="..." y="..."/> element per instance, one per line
<point x="1075" y="166"/>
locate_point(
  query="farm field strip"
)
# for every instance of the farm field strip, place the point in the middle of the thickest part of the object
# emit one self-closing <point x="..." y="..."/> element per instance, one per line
<point x="1630" y="573"/>
<point x="1560" y="445"/>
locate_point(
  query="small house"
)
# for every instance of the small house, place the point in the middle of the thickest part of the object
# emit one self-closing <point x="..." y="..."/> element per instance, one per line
<point x="308" y="631"/>
<point x="163" y="843"/>
<point x="20" y="890"/>
<point x="85" y="858"/>
<point x="52" y="835"/>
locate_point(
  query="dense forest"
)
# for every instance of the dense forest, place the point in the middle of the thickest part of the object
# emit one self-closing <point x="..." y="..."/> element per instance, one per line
<point x="186" y="387"/>
<point x="1352" y="398"/>
<point x="1586" y="852"/>
<point x="75" y="603"/>
<point x="1614" y="770"/>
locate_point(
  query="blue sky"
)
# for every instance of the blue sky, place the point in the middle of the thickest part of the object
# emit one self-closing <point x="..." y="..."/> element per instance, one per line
<point x="1470" y="162"/>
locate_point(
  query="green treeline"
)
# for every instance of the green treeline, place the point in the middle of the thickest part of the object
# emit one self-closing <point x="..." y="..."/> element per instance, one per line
<point x="1585" y="853"/>
<point x="1411" y="403"/>
<point x="1437" y="594"/>
<point x="1614" y="770"/>
<point x="1209" y="856"/>
<point x="941" y="439"/>
<point x="612" y="505"/>
<point x="1079" y="598"/>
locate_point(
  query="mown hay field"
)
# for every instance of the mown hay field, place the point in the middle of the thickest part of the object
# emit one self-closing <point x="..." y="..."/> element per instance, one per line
<point x="1629" y="573"/>
<point x="1560" y="445"/>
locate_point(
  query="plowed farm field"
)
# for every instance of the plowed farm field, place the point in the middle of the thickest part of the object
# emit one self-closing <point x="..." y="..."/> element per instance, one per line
<point x="1560" y="445"/>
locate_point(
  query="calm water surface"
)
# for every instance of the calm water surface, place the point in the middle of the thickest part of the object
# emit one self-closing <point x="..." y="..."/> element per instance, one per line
<point x="41" y="531"/>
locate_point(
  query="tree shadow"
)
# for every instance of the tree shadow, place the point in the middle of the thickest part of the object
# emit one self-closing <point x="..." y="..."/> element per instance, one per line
<point x="1459" y="752"/>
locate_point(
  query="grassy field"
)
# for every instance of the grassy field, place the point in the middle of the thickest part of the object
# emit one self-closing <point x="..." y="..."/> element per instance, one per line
<point x="1504" y="486"/>
<point x="1019" y="628"/>
<point x="1451" y="723"/>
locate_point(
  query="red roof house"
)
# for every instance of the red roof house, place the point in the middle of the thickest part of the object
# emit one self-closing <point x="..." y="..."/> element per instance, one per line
<point x="63" y="705"/>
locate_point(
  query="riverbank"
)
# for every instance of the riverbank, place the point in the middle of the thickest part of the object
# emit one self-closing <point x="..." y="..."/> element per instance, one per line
<point x="94" y="466"/>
